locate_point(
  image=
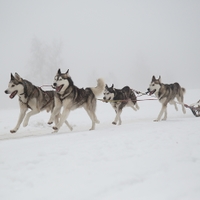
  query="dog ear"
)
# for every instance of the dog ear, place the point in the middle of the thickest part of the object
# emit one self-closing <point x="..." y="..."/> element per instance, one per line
<point x="106" y="86"/>
<point x="66" y="75"/>
<point x="153" y="78"/>
<point x="17" y="76"/>
<point x="59" y="72"/>
<point x="12" y="77"/>
<point x="112" y="86"/>
<point x="159" y="78"/>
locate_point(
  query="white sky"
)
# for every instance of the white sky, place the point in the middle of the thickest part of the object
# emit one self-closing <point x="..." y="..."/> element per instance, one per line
<point x="123" y="41"/>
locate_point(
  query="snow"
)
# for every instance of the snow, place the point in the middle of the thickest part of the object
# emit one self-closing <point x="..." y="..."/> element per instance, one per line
<point x="140" y="159"/>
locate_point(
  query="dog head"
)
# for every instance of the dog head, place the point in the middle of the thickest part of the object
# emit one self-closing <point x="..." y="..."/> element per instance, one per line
<point x="61" y="81"/>
<point x="109" y="93"/>
<point x="154" y="85"/>
<point x="15" y="86"/>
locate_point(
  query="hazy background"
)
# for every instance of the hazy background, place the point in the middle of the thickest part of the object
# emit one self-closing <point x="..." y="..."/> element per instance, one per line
<point x="123" y="41"/>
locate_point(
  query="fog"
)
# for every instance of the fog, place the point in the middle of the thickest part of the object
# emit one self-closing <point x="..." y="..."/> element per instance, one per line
<point x="123" y="41"/>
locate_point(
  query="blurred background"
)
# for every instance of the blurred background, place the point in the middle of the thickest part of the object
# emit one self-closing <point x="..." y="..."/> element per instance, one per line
<point x="123" y="41"/>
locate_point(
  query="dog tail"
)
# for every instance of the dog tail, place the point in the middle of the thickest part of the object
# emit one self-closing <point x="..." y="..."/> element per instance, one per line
<point x="184" y="90"/>
<point x="99" y="88"/>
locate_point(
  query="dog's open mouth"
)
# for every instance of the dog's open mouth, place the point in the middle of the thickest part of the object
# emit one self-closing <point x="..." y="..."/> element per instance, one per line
<point x="152" y="92"/>
<point x="59" y="88"/>
<point x="13" y="94"/>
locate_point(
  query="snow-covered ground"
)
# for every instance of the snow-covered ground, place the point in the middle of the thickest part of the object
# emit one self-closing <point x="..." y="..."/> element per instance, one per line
<point x="141" y="159"/>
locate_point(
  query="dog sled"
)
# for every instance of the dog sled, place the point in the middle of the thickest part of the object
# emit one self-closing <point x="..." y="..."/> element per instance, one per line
<point x="195" y="108"/>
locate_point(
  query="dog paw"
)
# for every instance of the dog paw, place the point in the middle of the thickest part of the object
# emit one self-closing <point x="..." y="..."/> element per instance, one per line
<point x="114" y="123"/>
<point x="55" y="128"/>
<point x="97" y="121"/>
<point x="184" y="111"/>
<point x="13" y="131"/>
<point x="25" y="124"/>
<point x="155" y="120"/>
<point x="50" y="123"/>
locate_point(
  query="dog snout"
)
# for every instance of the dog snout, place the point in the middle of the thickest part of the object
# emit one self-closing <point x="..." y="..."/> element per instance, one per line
<point x="54" y="84"/>
<point x="148" y="90"/>
<point x="6" y="91"/>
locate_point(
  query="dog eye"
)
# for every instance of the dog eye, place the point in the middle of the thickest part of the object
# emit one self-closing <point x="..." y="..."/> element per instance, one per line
<point x="13" y="85"/>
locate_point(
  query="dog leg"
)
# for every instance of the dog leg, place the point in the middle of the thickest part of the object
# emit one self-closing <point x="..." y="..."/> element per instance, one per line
<point x="96" y="120"/>
<point x="56" y="111"/>
<point x="132" y="105"/>
<point x="54" y="114"/>
<point x="136" y="105"/>
<point x="56" y="119"/>
<point x="172" y="102"/>
<point x="66" y="122"/>
<point x="120" y="121"/>
<point x="69" y="126"/>
<point x="165" y="115"/>
<point x="180" y="100"/>
<point x="161" y="113"/>
<point x="63" y="118"/>
<point x="23" y="110"/>
<point x="29" y="114"/>
<point x="119" y="111"/>
<point x="183" y="108"/>
<point x="115" y="116"/>
<point x="175" y="105"/>
<point x="93" y="118"/>
<point x="93" y="126"/>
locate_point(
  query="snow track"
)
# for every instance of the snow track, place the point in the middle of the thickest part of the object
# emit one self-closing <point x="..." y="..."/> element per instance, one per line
<point x="140" y="159"/>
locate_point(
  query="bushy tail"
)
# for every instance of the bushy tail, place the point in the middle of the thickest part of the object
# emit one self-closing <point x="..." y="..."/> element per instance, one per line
<point x="183" y="89"/>
<point x="99" y="88"/>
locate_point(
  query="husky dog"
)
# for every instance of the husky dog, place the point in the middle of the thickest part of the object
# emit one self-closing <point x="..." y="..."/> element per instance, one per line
<point x="166" y="93"/>
<point x="30" y="97"/>
<point x="119" y="98"/>
<point x="70" y="97"/>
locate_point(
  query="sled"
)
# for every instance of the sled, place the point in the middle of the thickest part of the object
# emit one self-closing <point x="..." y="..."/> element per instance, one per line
<point x="195" y="108"/>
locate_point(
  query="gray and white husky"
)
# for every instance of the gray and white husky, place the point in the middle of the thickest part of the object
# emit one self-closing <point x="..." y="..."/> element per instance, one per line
<point x="166" y="93"/>
<point x="30" y="97"/>
<point x="119" y="98"/>
<point x="69" y="97"/>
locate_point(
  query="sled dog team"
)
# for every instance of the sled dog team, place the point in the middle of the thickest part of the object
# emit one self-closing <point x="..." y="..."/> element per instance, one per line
<point x="66" y="97"/>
